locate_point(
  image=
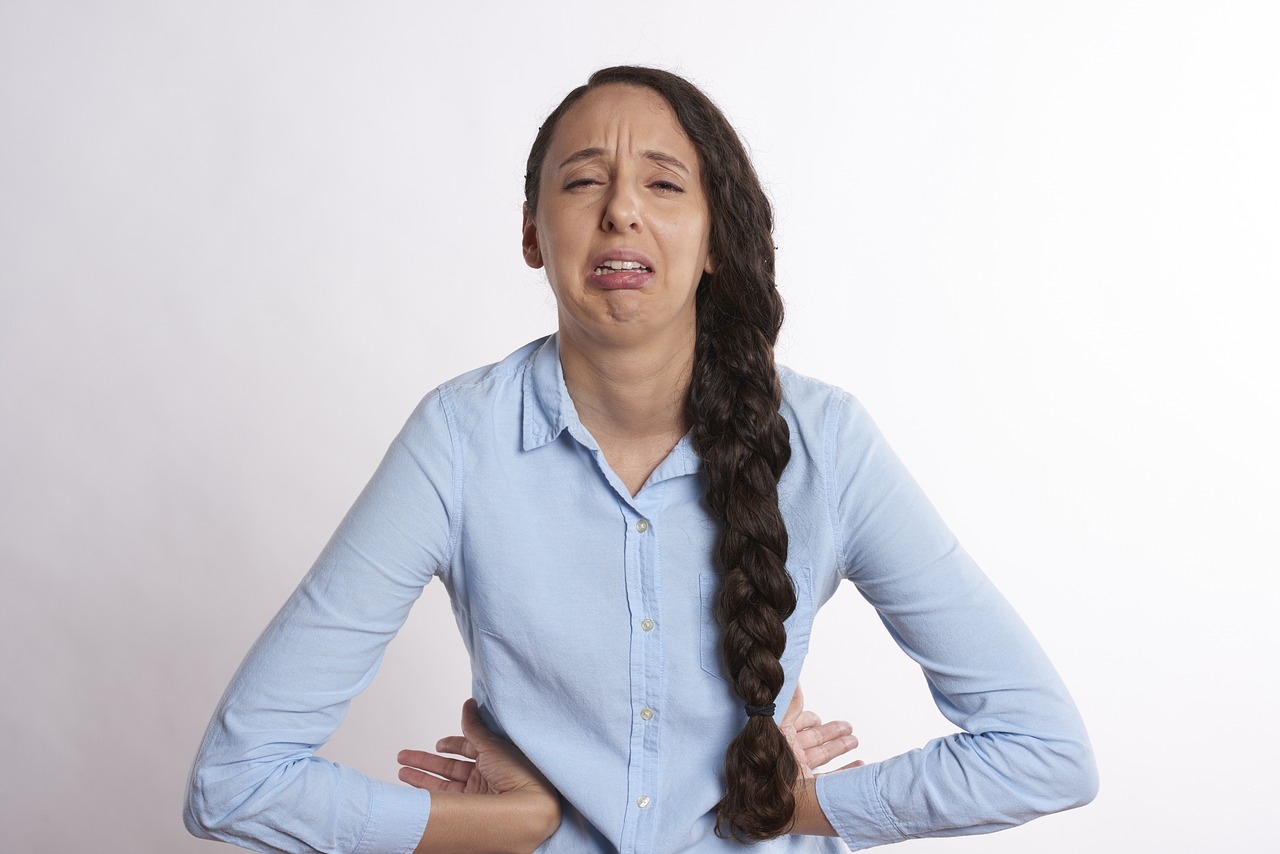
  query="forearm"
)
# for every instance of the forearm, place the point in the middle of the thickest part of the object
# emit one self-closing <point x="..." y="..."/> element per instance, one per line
<point x="516" y="822"/>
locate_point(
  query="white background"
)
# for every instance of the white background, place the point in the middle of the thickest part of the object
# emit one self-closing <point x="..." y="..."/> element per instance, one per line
<point x="239" y="241"/>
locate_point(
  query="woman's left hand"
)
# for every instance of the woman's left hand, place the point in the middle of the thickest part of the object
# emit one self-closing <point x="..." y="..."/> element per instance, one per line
<point x="813" y="742"/>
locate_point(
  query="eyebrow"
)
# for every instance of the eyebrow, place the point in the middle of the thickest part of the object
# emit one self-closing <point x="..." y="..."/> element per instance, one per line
<point x="656" y="156"/>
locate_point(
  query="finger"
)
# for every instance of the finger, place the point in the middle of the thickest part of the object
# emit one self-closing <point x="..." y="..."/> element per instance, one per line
<point x="423" y="780"/>
<point x="412" y="758"/>
<point x="441" y="766"/>
<point x="794" y="708"/>
<point x="807" y="720"/>
<point x="457" y="745"/>
<point x="823" y="733"/>
<point x="824" y="753"/>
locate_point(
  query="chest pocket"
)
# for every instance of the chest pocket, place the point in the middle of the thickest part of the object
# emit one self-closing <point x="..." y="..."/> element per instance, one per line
<point x="798" y="625"/>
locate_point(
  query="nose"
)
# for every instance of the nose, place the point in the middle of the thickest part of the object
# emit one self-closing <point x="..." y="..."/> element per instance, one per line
<point x="622" y="208"/>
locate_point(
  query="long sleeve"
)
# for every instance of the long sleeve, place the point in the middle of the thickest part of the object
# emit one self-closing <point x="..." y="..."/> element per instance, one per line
<point x="256" y="780"/>
<point x="1023" y="751"/>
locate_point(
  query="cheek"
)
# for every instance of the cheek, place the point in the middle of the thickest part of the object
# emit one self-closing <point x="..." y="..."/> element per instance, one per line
<point x="556" y="238"/>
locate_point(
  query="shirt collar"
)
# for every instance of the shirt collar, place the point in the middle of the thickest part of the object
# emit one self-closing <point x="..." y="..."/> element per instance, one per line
<point x="681" y="461"/>
<point x="549" y="411"/>
<point x="547" y="407"/>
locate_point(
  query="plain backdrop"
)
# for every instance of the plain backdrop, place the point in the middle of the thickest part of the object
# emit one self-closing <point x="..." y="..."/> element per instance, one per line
<point x="239" y="241"/>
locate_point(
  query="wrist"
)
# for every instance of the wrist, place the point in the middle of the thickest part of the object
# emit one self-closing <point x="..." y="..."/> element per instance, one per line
<point x="514" y="822"/>
<point x="809" y="819"/>
<point x="537" y="814"/>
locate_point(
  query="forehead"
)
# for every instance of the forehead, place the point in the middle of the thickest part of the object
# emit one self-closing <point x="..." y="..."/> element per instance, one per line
<point x="622" y="120"/>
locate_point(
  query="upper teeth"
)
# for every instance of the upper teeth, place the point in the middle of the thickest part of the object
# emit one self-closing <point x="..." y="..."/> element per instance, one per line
<point x="622" y="265"/>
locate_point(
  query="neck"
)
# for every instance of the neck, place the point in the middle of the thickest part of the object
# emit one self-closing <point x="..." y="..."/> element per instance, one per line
<point x="631" y="390"/>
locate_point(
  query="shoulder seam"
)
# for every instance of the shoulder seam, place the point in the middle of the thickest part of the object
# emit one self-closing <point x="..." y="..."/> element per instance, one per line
<point x="458" y="474"/>
<point x="836" y="398"/>
<point x="804" y="378"/>
<point x="488" y="374"/>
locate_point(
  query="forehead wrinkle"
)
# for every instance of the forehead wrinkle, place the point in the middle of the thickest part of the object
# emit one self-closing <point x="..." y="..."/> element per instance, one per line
<point x="660" y="157"/>
<point x="610" y="133"/>
<point x="666" y="160"/>
<point x="583" y="154"/>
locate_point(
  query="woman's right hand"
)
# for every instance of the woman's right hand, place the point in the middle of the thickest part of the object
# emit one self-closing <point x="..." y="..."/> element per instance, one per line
<point x="464" y="806"/>
<point x="493" y="765"/>
<point x="813" y="742"/>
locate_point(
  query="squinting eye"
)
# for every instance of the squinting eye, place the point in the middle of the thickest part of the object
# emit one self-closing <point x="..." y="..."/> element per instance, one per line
<point x="581" y="182"/>
<point x="668" y="187"/>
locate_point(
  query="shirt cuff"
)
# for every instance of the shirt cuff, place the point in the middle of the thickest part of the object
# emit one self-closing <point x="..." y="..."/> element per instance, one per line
<point x="851" y="802"/>
<point x="397" y="818"/>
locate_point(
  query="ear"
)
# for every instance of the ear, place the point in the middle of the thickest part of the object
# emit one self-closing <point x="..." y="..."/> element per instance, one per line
<point x="529" y="240"/>
<point x="710" y="266"/>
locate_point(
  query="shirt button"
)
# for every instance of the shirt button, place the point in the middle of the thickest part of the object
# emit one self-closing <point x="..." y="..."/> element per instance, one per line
<point x="646" y="624"/>
<point x="647" y="714"/>
<point x="642" y="801"/>
<point x="642" y="526"/>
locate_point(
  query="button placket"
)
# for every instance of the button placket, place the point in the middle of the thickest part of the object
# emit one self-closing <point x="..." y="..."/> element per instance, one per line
<point x="645" y="586"/>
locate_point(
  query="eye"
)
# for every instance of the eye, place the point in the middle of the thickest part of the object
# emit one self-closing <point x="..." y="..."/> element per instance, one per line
<point x="579" y="183"/>
<point x="667" y="187"/>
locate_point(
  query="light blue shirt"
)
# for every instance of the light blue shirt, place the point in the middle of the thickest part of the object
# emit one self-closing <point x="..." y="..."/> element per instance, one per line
<point x="588" y="617"/>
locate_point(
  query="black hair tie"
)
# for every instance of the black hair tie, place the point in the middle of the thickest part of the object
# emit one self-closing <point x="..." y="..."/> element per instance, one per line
<point x="765" y="711"/>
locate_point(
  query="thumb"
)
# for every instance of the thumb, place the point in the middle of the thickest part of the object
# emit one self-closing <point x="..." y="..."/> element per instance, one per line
<point x="473" y="728"/>
<point x="794" y="709"/>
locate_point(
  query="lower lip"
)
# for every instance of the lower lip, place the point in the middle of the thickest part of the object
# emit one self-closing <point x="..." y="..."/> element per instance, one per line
<point x="623" y="280"/>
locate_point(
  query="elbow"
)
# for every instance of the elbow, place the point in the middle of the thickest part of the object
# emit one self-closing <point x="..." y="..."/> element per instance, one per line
<point x="195" y="823"/>
<point x="210" y="810"/>
<point x="199" y="819"/>
<point x="1038" y="776"/>
<point x="1068" y="777"/>
<point x="1081" y="778"/>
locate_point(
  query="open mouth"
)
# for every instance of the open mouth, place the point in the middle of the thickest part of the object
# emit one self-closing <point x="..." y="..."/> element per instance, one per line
<point x="608" y="268"/>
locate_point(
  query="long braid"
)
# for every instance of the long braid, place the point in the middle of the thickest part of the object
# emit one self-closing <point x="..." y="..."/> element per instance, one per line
<point x="742" y="438"/>
<point x="744" y="444"/>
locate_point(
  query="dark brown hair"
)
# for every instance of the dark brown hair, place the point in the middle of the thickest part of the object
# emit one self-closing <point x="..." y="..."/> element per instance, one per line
<point x="739" y="433"/>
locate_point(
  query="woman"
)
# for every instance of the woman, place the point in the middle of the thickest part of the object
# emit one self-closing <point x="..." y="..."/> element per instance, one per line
<point x="636" y="520"/>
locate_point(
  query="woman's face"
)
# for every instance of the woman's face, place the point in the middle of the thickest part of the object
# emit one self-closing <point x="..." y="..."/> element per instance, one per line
<point x="622" y="225"/>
